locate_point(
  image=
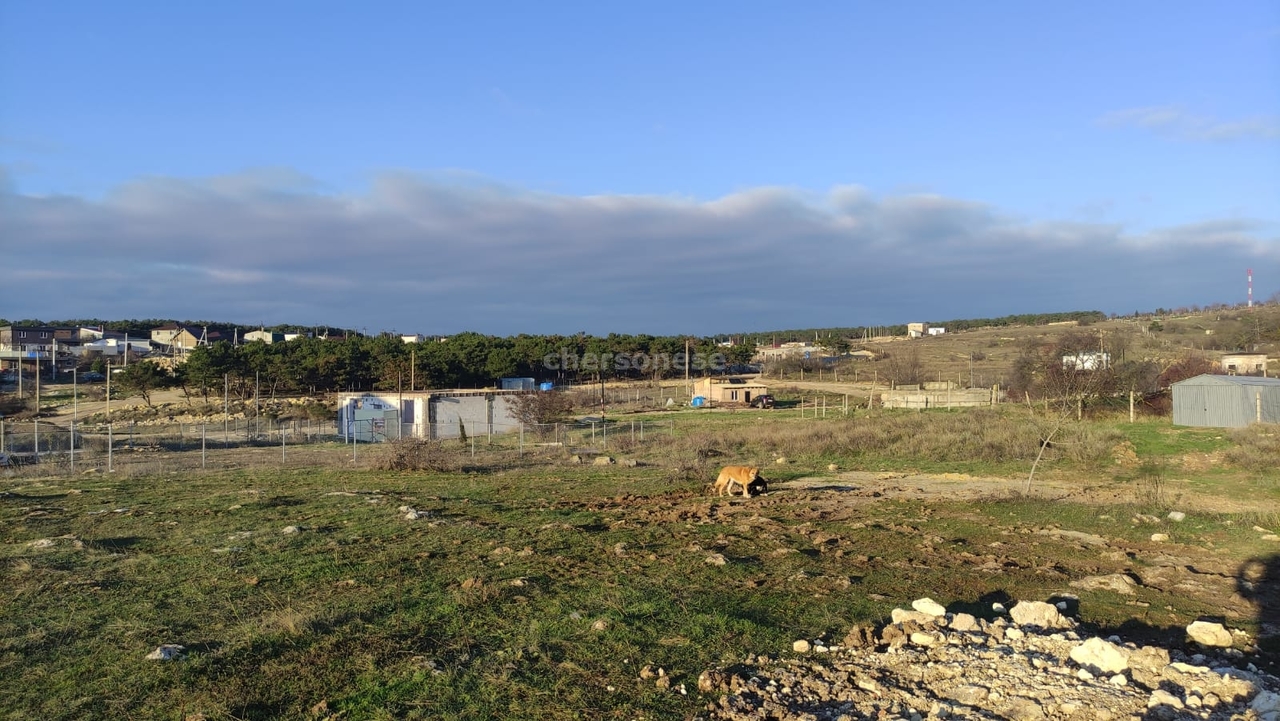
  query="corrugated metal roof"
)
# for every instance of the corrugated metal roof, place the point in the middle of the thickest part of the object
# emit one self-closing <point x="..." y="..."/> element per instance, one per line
<point x="1211" y="379"/>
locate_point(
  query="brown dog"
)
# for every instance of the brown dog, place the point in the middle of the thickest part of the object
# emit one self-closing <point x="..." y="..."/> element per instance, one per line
<point x="745" y="476"/>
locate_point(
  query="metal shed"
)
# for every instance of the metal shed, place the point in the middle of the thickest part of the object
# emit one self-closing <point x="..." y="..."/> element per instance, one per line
<point x="1226" y="401"/>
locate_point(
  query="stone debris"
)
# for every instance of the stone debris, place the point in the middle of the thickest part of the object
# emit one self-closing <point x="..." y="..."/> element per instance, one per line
<point x="1115" y="582"/>
<point x="960" y="667"/>
<point x="1207" y="633"/>
<point x="1099" y="656"/>
<point x="167" y="652"/>
<point x="1176" y="516"/>
<point x="1087" y="539"/>
<point x="929" y="606"/>
<point x="1039" y="614"/>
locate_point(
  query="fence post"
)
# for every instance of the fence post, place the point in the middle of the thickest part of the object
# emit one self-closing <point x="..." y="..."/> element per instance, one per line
<point x="37" y="436"/>
<point x="281" y="443"/>
<point x="204" y="431"/>
<point x="522" y="440"/>
<point x="1" y="436"/>
<point x="111" y="447"/>
<point x="73" y="447"/>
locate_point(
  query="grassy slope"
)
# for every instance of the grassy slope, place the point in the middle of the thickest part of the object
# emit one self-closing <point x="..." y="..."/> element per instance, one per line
<point x="485" y="609"/>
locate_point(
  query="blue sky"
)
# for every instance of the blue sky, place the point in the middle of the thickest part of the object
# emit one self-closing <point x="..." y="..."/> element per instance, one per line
<point x="189" y="138"/>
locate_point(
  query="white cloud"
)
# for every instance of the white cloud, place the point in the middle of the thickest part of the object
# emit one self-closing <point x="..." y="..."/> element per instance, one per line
<point x="441" y="255"/>
<point x="1176" y="122"/>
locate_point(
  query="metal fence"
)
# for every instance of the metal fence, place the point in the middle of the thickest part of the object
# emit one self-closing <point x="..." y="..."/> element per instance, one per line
<point x="137" y="448"/>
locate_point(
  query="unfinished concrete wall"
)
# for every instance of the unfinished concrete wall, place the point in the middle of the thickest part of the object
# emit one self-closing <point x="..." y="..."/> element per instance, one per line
<point x="954" y="398"/>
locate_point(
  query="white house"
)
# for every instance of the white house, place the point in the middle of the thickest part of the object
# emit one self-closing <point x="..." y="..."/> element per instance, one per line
<point x="1086" y="361"/>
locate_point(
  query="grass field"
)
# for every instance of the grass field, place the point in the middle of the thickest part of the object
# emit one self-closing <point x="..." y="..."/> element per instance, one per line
<point x="539" y="589"/>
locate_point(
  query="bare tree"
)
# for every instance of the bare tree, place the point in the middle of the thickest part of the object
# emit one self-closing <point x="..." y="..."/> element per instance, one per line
<point x="1064" y="375"/>
<point x="905" y="367"/>
<point x="542" y="408"/>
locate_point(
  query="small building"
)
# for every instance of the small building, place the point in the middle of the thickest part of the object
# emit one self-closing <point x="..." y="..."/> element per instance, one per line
<point x="729" y="390"/>
<point x="794" y="349"/>
<point x="389" y="415"/>
<point x="1093" y="361"/>
<point x="1220" y="401"/>
<point x="115" y="347"/>
<point x="1245" y="364"/>
<point x="177" y="336"/>
<point x="264" y="336"/>
<point x="936" y="330"/>
<point x="917" y="330"/>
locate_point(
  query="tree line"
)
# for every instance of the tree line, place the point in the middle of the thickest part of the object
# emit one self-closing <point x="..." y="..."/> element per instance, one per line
<point x="465" y="360"/>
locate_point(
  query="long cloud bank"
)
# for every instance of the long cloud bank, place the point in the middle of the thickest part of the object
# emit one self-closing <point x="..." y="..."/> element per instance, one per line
<point x="419" y="254"/>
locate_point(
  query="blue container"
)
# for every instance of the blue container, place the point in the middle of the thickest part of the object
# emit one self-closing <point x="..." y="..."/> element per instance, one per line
<point x="698" y="401"/>
<point x="546" y="386"/>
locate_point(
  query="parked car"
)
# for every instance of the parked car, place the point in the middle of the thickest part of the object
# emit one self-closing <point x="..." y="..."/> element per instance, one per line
<point x="92" y="377"/>
<point x="762" y="401"/>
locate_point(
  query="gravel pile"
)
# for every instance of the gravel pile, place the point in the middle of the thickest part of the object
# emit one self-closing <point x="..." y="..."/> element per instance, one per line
<point x="1031" y="664"/>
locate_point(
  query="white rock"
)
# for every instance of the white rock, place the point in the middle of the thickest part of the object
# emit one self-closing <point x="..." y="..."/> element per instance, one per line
<point x="1102" y="656"/>
<point x="1038" y="613"/>
<point x="997" y="607"/>
<point x="1177" y="516"/>
<point x="715" y="559"/>
<point x="1119" y="680"/>
<point x="291" y="529"/>
<point x="923" y="639"/>
<point x="1267" y="705"/>
<point x="1206" y="633"/>
<point x="1014" y="634"/>
<point x="167" y="652"/>
<point x="898" y="615"/>
<point x="1159" y="537"/>
<point x="1084" y="675"/>
<point x="929" y="606"/>
<point x="1115" y="582"/>
<point x="1188" y="668"/>
<point x="1160" y="697"/>
<point x="964" y="622"/>
<point x="801" y="646"/>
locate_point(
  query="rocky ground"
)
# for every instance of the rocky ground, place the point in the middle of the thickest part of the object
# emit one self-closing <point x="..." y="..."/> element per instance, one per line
<point x="1031" y="663"/>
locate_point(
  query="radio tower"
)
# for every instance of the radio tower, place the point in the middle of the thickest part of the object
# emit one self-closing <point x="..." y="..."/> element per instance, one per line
<point x="1250" y="271"/>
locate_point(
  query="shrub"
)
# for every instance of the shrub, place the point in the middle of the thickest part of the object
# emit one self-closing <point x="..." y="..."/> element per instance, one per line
<point x="1255" y="448"/>
<point x="417" y="454"/>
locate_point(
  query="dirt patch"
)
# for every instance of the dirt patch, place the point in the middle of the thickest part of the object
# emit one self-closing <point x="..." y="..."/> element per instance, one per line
<point x="871" y="485"/>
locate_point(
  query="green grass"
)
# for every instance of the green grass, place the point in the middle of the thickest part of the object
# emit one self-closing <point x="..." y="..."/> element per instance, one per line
<point x="486" y="608"/>
<point x="1157" y="438"/>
